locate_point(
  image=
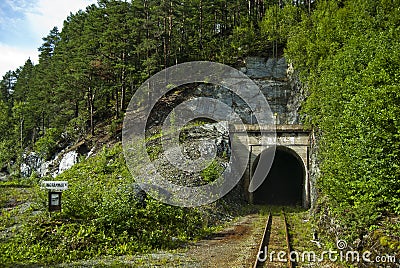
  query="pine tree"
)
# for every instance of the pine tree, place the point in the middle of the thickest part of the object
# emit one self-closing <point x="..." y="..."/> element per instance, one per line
<point x="7" y="85"/>
<point x="117" y="42"/>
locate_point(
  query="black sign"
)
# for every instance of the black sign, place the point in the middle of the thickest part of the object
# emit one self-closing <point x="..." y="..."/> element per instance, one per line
<point x="54" y="201"/>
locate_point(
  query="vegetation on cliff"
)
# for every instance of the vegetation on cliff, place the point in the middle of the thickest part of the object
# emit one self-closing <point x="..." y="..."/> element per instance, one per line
<point x="103" y="214"/>
<point x="89" y="70"/>
<point x="348" y="56"/>
<point x="346" y="53"/>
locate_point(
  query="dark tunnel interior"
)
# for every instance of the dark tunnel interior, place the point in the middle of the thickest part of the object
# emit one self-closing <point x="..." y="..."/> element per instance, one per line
<point x="283" y="184"/>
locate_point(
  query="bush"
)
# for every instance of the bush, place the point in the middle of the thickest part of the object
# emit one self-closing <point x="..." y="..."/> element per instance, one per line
<point x="101" y="216"/>
<point x="47" y="145"/>
<point x="212" y="172"/>
<point x="348" y="56"/>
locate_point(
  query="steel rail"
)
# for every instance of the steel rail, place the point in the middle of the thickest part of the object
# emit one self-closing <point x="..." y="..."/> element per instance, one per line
<point x="259" y="262"/>
<point x="261" y="256"/>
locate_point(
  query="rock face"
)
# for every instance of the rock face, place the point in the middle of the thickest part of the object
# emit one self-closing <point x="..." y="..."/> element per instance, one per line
<point x="276" y="81"/>
<point x="33" y="163"/>
<point x="62" y="161"/>
<point x="279" y="85"/>
<point x="296" y="98"/>
<point x="259" y="68"/>
<point x="68" y="160"/>
<point x="206" y="140"/>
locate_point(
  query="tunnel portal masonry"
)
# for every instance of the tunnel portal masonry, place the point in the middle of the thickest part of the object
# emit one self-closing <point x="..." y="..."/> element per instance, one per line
<point x="293" y="139"/>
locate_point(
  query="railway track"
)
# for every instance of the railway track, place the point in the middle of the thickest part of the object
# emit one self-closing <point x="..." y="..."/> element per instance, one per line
<point x="274" y="248"/>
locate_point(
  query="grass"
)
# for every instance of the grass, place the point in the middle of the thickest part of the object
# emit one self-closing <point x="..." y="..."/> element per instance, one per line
<point x="100" y="217"/>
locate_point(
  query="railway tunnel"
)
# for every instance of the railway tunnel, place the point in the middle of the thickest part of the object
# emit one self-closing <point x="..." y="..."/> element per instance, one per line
<point x="284" y="183"/>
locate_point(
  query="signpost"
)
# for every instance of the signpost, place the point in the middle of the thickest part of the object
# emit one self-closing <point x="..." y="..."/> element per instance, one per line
<point x="55" y="189"/>
<point x="55" y="185"/>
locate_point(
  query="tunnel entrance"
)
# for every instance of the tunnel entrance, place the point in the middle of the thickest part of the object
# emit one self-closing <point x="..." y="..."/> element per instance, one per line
<point x="284" y="183"/>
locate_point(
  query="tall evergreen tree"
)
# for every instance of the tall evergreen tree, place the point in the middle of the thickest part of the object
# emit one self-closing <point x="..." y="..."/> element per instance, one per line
<point x="25" y="109"/>
<point x="88" y="71"/>
<point x="7" y="87"/>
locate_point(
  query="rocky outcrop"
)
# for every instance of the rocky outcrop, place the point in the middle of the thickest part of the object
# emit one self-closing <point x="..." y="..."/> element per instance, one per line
<point x="261" y="68"/>
<point x="68" y="160"/>
<point x="276" y="80"/>
<point x="296" y="98"/>
<point x="33" y="163"/>
<point x="194" y="142"/>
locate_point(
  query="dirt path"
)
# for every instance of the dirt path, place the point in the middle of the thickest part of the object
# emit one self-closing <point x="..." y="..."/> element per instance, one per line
<point x="235" y="246"/>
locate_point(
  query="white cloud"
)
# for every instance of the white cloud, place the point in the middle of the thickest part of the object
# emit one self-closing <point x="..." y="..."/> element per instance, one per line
<point x="50" y="13"/>
<point x="40" y="16"/>
<point x="20" y="5"/>
<point x="11" y="57"/>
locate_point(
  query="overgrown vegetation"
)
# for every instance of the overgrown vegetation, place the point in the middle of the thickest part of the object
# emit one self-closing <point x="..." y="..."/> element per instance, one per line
<point x="88" y="70"/>
<point x="212" y="172"/>
<point x="102" y="215"/>
<point x="346" y="52"/>
<point x="348" y="56"/>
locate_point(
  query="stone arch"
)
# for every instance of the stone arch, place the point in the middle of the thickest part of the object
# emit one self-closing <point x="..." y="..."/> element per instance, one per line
<point x="286" y="180"/>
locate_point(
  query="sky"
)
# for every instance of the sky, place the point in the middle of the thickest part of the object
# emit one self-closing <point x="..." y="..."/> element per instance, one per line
<point x="23" y="24"/>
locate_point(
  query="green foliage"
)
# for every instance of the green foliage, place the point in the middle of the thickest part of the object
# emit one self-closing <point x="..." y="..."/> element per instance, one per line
<point x="212" y="172"/>
<point x="101" y="216"/>
<point x="245" y="41"/>
<point x="114" y="127"/>
<point x="4" y="119"/>
<point x="47" y="145"/>
<point x="279" y="22"/>
<point x="76" y="128"/>
<point x="348" y="57"/>
<point x="89" y="69"/>
<point x="154" y="151"/>
<point x="6" y="139"/>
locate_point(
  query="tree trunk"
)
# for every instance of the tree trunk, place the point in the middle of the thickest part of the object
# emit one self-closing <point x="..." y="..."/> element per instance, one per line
<point x="201" y="24"/>
<point x="22" y="133"/>
<point x="123" y="84"/>
<point x="169" y="34"/>
<point x="165" y="42"/>
<point x="91" y="109"/>
<point x="116" y="103"/>
<point x="91" y="120"/>
<point x="43" y="122"/>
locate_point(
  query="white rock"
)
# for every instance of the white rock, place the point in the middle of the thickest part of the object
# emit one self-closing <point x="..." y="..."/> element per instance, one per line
<point x="68" y="160"/>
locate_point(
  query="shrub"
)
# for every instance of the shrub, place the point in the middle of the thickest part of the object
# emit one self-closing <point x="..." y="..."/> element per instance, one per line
<point x="212" y="172"/>
<point x="47" y="145"/>
<point x="100" y="217"/>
